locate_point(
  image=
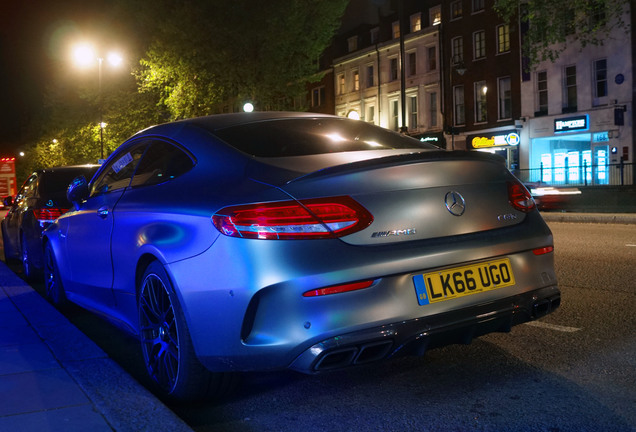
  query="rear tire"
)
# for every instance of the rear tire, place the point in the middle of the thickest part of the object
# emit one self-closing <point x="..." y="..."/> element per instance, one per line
<point x="167" y="348"/>
<point x="54" y="290"/>
<point x="27" y="262"/>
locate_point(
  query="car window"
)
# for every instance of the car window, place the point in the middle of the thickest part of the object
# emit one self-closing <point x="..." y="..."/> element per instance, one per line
<point x="299" y="137"/>
<point x="119" y="171"/>
<point x="161" y="162"/>
<point x="28" y="188"/>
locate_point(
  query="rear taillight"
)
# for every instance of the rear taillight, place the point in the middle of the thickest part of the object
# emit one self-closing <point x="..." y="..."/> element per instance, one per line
<point x="303" y="219"/>
<point x="48" y="215"/>
<point x="337" y="289"/>
<point x="519" y="197"/>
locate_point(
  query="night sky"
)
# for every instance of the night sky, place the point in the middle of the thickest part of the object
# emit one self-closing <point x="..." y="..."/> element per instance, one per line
<point x="35" y="36"/>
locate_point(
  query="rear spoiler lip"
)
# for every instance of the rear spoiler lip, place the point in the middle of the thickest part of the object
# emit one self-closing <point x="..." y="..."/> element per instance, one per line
<point x="402" y="159"/>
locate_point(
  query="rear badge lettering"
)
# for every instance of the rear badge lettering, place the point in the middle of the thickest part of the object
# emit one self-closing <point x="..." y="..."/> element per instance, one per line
<point x="506" y="217"/>
<point x="408" y="231"/>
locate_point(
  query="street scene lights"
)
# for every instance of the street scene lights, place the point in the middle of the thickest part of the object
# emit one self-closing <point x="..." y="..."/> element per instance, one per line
<point x="84" y="56"/>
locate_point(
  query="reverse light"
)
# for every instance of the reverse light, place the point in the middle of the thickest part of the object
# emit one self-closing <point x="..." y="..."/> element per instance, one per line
<point x="519" y="197"/>
<point x="336" y="289"/>
<point x="48" y="215"/>
<point x="304" y="219"/>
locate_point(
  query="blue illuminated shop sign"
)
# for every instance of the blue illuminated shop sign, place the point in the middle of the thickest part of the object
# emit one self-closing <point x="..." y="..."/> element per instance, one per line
<point x="569" y="124"/>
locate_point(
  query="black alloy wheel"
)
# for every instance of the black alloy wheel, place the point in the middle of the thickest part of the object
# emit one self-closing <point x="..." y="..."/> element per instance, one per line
<point x="167" y="348"/>
<point x="27" y="265"/>
<point x="54" y="290"/>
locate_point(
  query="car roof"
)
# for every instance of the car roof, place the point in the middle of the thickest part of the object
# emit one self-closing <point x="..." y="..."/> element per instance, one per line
<point x="220" y="121"/>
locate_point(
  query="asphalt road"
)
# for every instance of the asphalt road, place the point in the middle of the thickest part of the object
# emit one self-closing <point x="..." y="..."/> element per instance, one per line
<point x="574" y="370"/>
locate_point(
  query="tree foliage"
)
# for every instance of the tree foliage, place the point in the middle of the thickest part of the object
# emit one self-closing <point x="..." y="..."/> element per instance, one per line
<point x="549" y="27"/>
<point x="197" y="57"/>
<point x="212" y="52"/>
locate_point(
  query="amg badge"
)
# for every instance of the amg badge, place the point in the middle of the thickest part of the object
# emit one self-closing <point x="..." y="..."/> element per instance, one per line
<point x="408" y="231"/>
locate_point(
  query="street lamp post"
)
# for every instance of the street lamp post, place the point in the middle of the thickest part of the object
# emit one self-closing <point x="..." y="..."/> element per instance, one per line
<point x="456" y="66"/>
<point x="84" y="55"/>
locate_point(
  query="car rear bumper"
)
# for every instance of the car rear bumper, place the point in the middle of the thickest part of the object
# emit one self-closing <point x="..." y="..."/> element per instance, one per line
<point x="416" y="336"/>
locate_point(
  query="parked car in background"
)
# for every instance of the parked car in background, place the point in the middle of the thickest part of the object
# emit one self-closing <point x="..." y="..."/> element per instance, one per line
<point x="40" y="200"/>
<point x="262" y="241"/>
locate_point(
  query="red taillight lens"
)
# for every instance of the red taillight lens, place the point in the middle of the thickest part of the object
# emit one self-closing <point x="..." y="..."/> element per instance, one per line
<point x="519" y="197"/>
<point x="543" y="250"/>
<point x="304" y="219"/>
<point x="48" y="214"/>
<point x="336" y="289"/>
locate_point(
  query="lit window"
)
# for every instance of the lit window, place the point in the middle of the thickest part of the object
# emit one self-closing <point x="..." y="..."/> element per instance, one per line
<point x="356" y="80"/>
<point x="416" y="22"/>
<point x="503" y="38"/>
<point x="481" y="107"/>
<point x="456" y="9"/>
<point x="396" y="29"/>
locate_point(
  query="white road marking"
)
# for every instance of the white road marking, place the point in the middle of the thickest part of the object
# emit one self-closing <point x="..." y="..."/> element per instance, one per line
<point x="553" y="326"/>
<point x="630" y="245"/>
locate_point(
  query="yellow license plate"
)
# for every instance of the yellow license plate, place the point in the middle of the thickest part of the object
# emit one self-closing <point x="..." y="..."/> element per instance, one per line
<point x="457" y="282"/>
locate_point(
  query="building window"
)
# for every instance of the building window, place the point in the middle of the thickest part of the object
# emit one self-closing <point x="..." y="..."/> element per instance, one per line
<point x="395" y="115"/>
<point x="432" y="110"/>
<point x="459" y="117"/>
<point x="505" y="99"/>
<point x="570" y="88"/>
<point x="478" y="5"/>
<point x="341" y="83"/>
<point x="416" y="22"/>
<point x="395" y="29"/>
<point x="503" y="38"/>
<point x="317" y="96"/>
<point x="370" y="114"/>
<point x="412" y="63"/>
<point x="481" y="107"/>
<point x="600" y="78"/>
<point x="542" y="92"/>
<point x="370" y="76"/>
<point x="598" y="16"/>
<point x="456" y="9"/>
<point x="352" y="43"/>
<point x="375" y="35"/>
<point x="356" y="80"/>
<point x="435" y="15"/>
<point x="457" y="50"/>
<point x="394" y="69"/>
<point x="413" y="112"/>
<point x="432" y="58"/>
<point x="479" y="44"/>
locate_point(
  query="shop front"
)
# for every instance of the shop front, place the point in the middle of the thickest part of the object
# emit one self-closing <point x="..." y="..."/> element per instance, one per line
<point x="503" y="143"/>
<point x="572" y="153"/>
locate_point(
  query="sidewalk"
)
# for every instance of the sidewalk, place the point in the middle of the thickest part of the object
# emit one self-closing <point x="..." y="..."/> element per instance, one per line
<point x="615" y="218"/>
<point x="54" y="378"/>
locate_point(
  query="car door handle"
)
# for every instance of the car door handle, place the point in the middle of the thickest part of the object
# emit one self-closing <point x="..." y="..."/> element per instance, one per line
<point x="102" y="212"/>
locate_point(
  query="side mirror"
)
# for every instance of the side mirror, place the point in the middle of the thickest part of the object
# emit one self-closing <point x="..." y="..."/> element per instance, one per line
<point x="8" y="201"/>
<point x="77" y="191"/>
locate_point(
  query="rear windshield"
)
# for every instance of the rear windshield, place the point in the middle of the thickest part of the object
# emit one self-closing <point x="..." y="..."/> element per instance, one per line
<point x="54" y="183"/>
<point x="312" y="136"/>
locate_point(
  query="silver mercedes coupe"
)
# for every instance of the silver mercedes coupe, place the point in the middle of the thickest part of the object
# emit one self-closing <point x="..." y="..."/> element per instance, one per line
<point x="263" y="241"/>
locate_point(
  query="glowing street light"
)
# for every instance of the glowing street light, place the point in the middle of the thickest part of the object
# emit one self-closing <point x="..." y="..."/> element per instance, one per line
<point x="84" y="55"/>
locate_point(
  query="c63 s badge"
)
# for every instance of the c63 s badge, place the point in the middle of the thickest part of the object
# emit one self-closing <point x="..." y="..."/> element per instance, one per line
<point x="399" y="232"/>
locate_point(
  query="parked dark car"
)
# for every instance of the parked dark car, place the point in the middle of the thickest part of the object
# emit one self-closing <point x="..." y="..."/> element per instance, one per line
<point x="40" y="200"/>
<point x="262" y="241"/>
